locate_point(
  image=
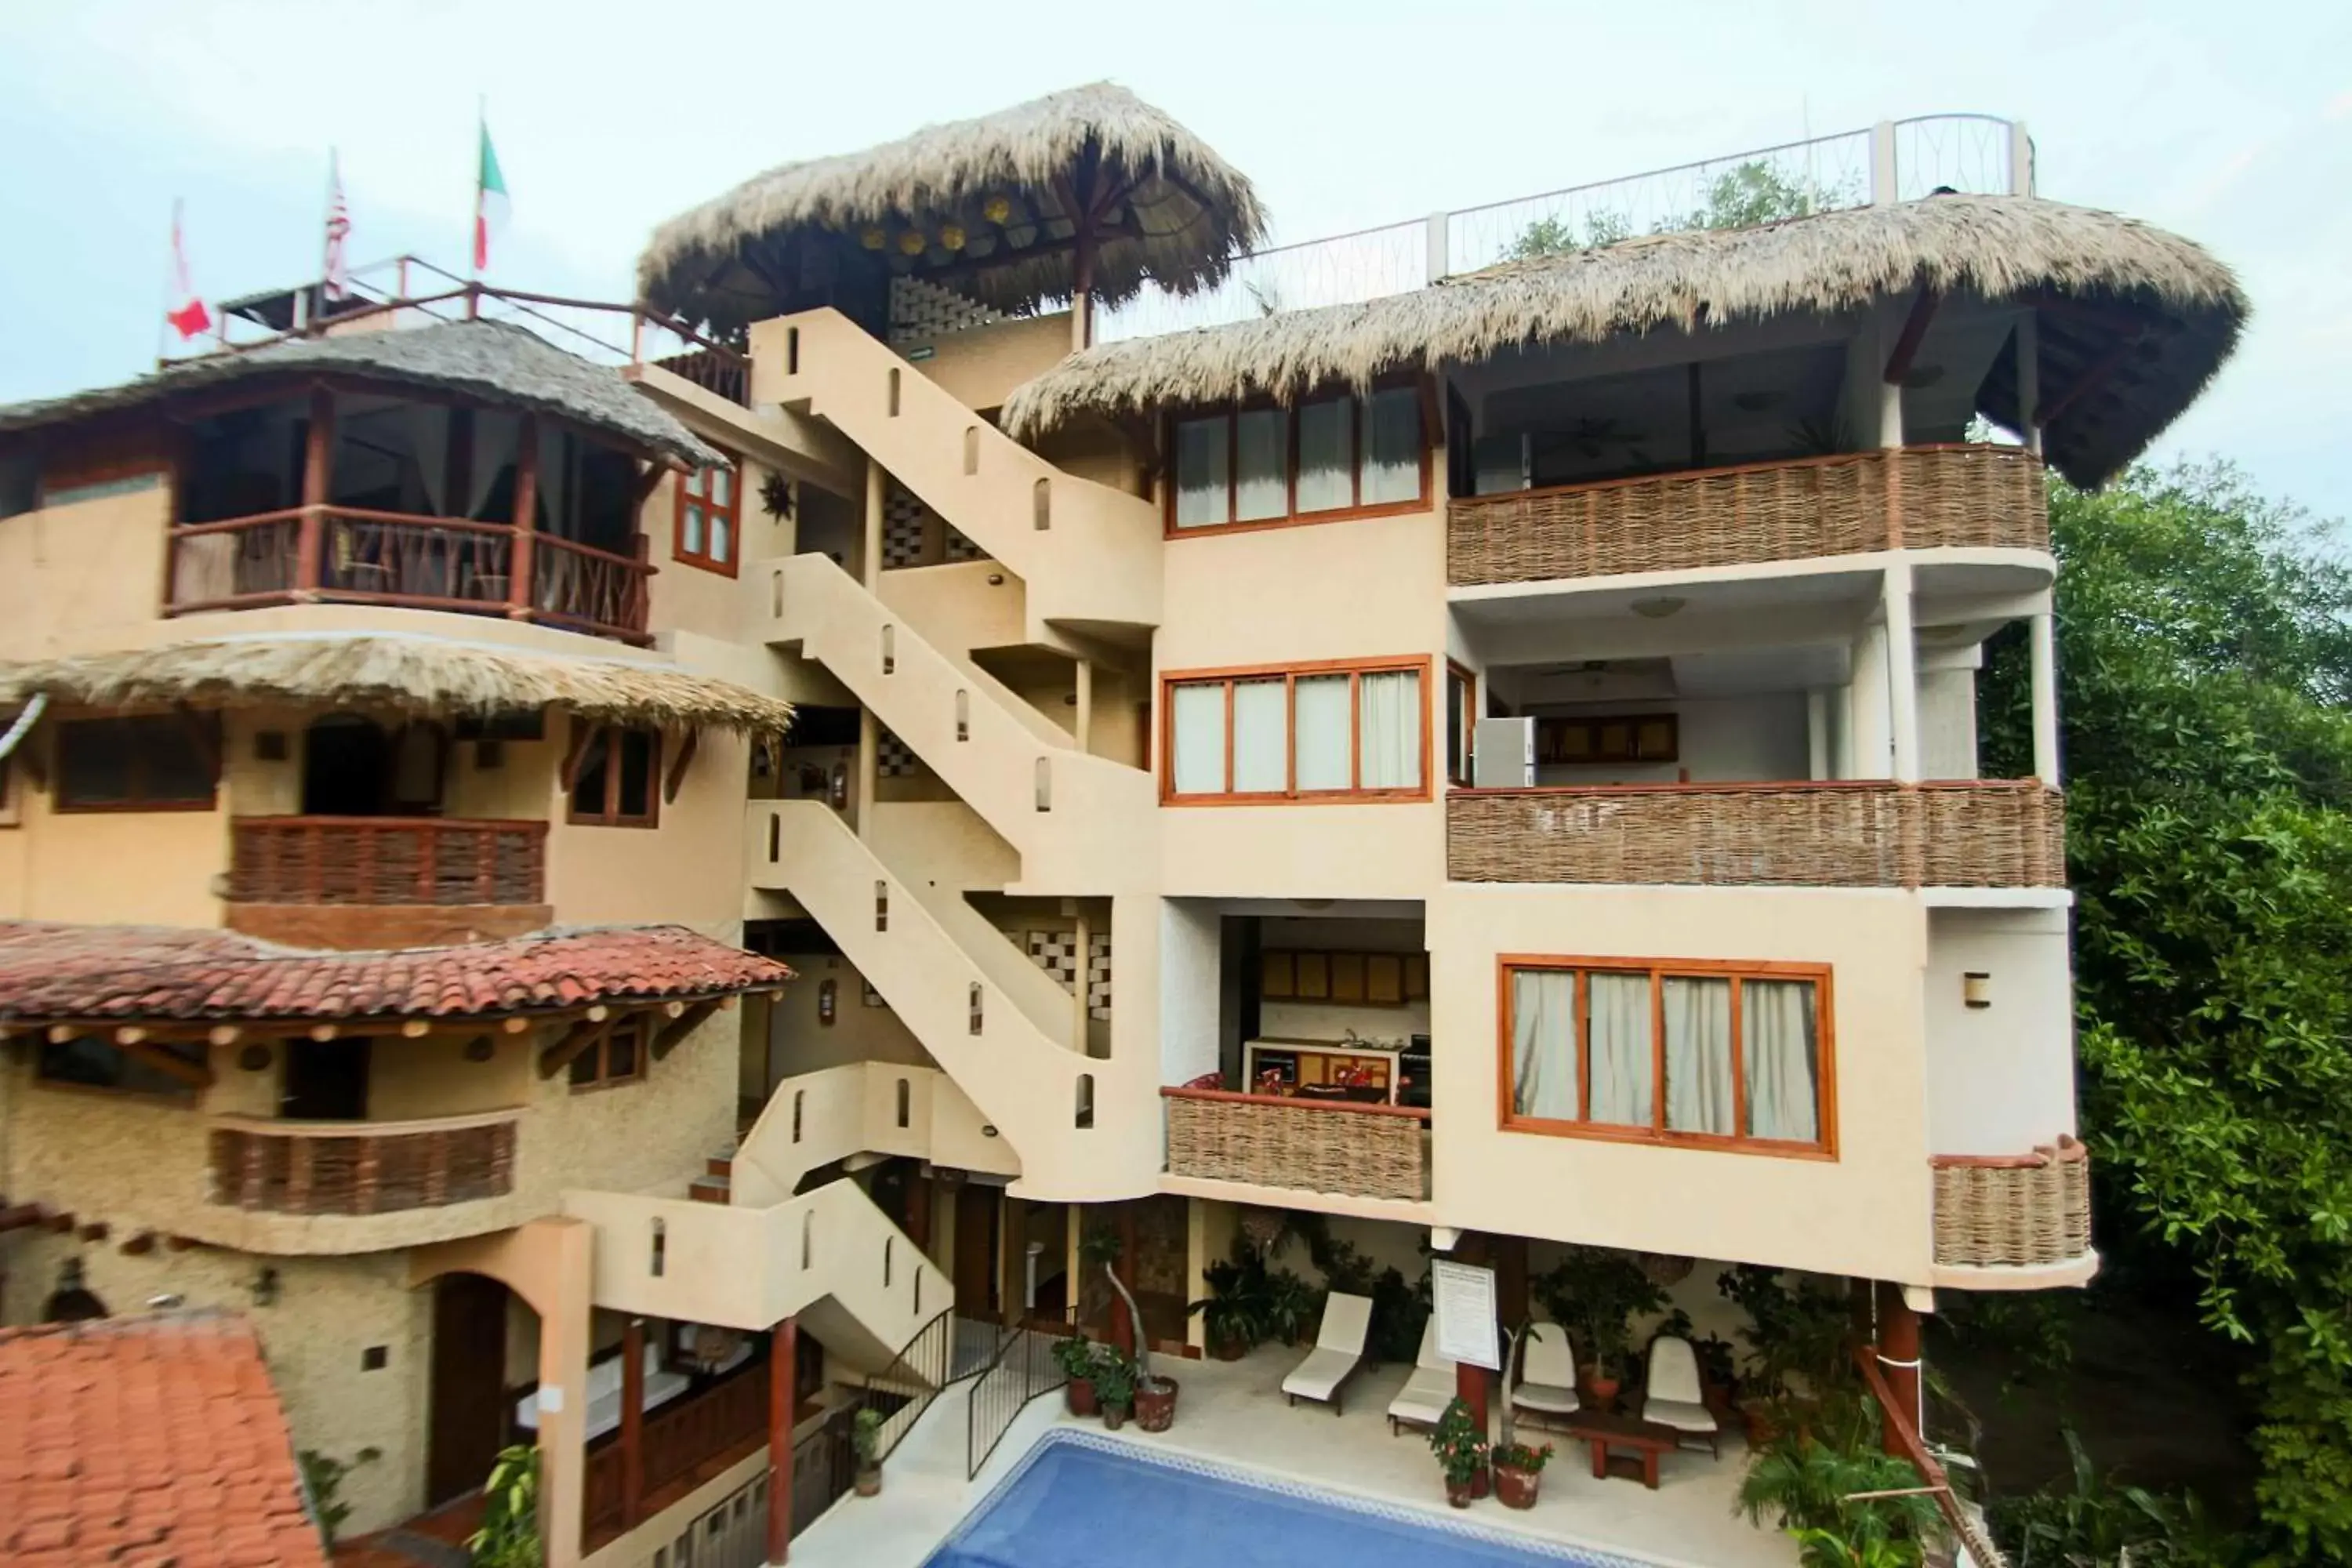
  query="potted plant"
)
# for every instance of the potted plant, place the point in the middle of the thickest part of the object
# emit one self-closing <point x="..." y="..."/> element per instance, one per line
<point x="1114" y="1387"/>
<point x="866" y="1442"/>
<point x="1518" y="1471"/>
<point x="1078" y="1358"/>
<point x="1232" y="1314"/>
<point x="1595" y="1293"/>
<point x="1461" y="1451"/>
<point x="1155" y="1396"/>
<point x="1802" y="1333"/>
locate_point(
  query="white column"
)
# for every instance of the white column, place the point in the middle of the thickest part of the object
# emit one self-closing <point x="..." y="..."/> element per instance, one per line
<point x="1882" y="164"/>
<point x="1817" y="734"/>
<point x="2045" y="643"/>
<point x="1902" y="673"/>
<point x="2029" y="381"/>
<point x="2021" y="160"/>
<point x="1436" y="263"/>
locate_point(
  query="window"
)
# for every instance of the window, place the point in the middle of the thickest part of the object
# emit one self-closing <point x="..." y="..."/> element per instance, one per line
<point x="156" y="761"/>
<point x="1316" y="732"/>
<point x="709" y="517"/>
<point x="1331" y="457"/>
<point x="1715" y="1055"/>
<point x="618" y="1058"/>
<point x="615" y="786"/>
<point x="167" y="1069"/>
<point x="1461" y="720"/>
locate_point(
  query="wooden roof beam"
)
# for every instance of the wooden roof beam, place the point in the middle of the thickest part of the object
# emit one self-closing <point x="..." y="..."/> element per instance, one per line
<point x="681" y="1026"/>
<point x="582" y="1036"/>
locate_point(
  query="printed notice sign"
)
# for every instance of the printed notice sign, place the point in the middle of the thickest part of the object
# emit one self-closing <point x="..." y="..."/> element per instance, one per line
<point x="1464" y="1297"/>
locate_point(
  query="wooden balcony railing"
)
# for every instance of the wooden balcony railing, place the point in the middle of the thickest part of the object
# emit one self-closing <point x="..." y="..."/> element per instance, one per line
<point x="687" y="1432"/>
<point x="1916" y="498"/>
<point x="2013" y="1211"/>
<point x="1310" y="1145"/>
<point x="351" y="556"/>
<point x="386" y="860"/>
<point x="361" y="1167"/>
<point x="1862" y="833"/>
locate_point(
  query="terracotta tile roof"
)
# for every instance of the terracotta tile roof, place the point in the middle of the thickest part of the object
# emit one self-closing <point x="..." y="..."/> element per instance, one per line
<point x="146" y="1440"/>
<point x="49" y="971"/>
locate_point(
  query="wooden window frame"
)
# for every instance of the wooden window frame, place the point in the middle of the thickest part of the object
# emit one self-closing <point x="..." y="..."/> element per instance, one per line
<point x="732" y="513"/>
<point x="1660" y="970"/>
<point x="205" y="736"/>
<point x="601" y="1076"/>
<point x="1290" y="675"/>
<point x="1469" y="677"/>
<point x="607" y="736"/>
<point x="1292" y="517"/>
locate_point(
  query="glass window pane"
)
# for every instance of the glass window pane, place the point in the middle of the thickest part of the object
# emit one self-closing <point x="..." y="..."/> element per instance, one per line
<point x="690" y="541"/>
<point x="1197" y="739"/>
<point x="1457" y="726"/>
<point x="171" y="767"/>
<point x="583" y="1068"/>
<point x="722" y="487"/>
<point x="621" y="1054"/>
<point x="719" y="542"/>
<point x="696" y="481"/>
<point x="1388" y="729"/>
<point x="94" y="763"/>
<point x="1322" y="727"/>
<point x="1780" y="1058"/>
<point x="1261" y="464"/>
<point x="1260" y="765"/>
<point x="636" y="774"/>
<point x="1699" y="1055"/>
<point x="1327" y="457"/>
<point x="1392" y="445"/>
<point x="1201" y="500"/>
<point x="1617" y="1046"/>
<point x="588" y="787"/>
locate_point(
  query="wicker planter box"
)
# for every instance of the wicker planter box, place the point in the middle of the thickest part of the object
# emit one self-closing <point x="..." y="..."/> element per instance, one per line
<point x="354" y="1168"/>
<point x="1917" y="498"/>
<point x="1859" y="833"/>
<point x="387" y="860"/>
<point x="1360" y="1151"/>
<point x="2013" y="1212"/>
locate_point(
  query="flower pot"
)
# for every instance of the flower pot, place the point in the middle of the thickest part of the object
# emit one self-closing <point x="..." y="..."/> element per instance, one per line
<point x="1480" y="1482"/>
<point x="1081" y="1394"/>
<point x="1229" y="1350"/>
<point x="1603" y="1390"/>
<point x="1516" y="1487"/>
<point x="1458" y="1494"/>
<point x="868" y="1481"/>
<point x="1114" y="1417"/>
<point x="1155" y="1404"/>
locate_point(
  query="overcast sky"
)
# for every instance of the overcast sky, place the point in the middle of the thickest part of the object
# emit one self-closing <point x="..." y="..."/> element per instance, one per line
<point x="2228" y="123"/>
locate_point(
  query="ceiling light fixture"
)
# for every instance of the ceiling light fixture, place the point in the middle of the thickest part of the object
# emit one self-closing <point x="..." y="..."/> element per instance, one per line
<point x="1659" y="608"/>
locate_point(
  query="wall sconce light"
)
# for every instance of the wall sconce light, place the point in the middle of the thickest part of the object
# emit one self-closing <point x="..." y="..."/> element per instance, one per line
<point x="266" y="1287"/>
<point x="827" y="995"/>
<point x="1976" y="988"/>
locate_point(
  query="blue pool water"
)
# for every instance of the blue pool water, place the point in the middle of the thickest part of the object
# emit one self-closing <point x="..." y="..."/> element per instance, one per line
<point x="1077" y="1501"/>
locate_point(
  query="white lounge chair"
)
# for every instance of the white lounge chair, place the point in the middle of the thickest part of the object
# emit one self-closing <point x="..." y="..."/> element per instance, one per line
<point x="1672" y="1396"/>
<point x="1547" y="1385"/>
<point x="1338" y="1351"/>
<point x="1430" y="1389"/>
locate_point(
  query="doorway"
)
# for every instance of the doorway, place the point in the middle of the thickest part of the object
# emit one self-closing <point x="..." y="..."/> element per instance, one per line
<point x="326" y="1080"/>
<point x="467" y="1424"/>
<point x="978" y="1214"/>
<point x="346" y="765"/>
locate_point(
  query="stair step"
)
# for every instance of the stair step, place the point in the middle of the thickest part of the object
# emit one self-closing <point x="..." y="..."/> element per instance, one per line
<point x="720" y="1165"/>
<point x="711" y="1189"/>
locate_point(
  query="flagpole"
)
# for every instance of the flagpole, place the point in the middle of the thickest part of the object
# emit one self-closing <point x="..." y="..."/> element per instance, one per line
<point x="170" y="284"/>
<point x="327" y="229"/>
<point x="473" y="235"/>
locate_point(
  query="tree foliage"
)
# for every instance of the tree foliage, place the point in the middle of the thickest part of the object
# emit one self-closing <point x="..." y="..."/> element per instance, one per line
<point x="2206" y="661"/>
<point x="1744" y="195"/>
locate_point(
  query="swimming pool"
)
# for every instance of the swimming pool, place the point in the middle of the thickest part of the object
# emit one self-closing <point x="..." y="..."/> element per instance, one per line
<point x="1080" y="1500"/>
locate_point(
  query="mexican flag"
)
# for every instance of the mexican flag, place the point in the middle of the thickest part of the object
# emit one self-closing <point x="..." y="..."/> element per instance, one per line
<point x="490" y="204"/>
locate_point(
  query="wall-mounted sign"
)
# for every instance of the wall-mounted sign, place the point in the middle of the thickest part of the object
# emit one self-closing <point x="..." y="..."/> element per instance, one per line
<point x="1463" y="1295"/>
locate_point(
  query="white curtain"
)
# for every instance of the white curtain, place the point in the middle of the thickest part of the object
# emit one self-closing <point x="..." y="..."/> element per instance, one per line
<point x="1259" y="765"/>
<point x="1319" y="725"/>
<point x="1389" y="707"/>
<point x="1617" y="1045"/>
<point x="1543" y="1043"/>
<point x="1392" y="445"/>
<point x="1326" y="461"/>
<point x="1699" y="1055"/>
<point x="1198" y="740"/>
<point x="1261" y="464"/>
<point x="1781" y="1056"/>
<point x="1201" y="471"/>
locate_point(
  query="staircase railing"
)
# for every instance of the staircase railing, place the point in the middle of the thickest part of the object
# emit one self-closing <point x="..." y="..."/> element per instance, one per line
<point x="1968" y="1528"/>
<point x="901" y="1392"/>
<point x="1024" y="1367"/>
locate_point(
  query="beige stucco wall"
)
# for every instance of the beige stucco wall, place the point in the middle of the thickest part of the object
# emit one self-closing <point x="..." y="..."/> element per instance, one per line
<point x="99" y="567"/>
<point x="2001" y="1078"/>
<point x="687" y="869"/>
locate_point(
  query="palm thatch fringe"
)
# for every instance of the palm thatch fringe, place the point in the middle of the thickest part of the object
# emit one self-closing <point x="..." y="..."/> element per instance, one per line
<point x="1005" y="179"/>
<point x="2168" y="311"/>
<point x="394" y="675"/>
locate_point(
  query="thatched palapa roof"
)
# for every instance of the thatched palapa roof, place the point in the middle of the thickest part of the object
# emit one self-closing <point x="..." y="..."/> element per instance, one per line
<point x="996" y="202"/>
<point x="2141" y="317"/>
<point x="395" y="673"/>
<point x="495" y="362"/>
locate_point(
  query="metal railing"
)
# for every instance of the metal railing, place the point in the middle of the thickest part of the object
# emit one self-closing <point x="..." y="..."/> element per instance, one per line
<point x="1024" y="1367"/>
<point x="1895" y="160"/>
<point x="900" y="1393"/>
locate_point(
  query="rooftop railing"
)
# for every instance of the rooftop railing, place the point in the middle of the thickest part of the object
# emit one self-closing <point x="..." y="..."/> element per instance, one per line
<point x="1896" y="160"/>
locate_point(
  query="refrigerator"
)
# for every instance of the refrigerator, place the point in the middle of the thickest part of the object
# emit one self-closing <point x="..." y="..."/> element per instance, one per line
<point x="1503" y="754"/>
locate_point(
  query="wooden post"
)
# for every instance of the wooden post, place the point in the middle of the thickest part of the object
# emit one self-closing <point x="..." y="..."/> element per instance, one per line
<point x="520" y="599"/>
<point x="632" y="1422"/>
<point x="1081" y="284"/>
<point x="783" y="1344"/>
<point x="317" y="484"/>
<point x="1511" y="1279"/>
<point x="1898" y="1357"/>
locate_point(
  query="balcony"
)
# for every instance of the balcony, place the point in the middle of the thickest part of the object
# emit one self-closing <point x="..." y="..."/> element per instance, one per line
<point x="360" y="1168"/>
<point x="1992" y="833"/>
<point x="696" y="1437"/>
<point x="2023" y="1211"/>
<point x="313" y="554"/>
<point x="1914" y="497"/>
<point x="386" y="881"/>
<point x="1309" y="1146"/>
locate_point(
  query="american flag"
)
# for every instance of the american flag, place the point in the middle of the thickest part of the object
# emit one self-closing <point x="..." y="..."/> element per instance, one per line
<point x="339" y="226"/>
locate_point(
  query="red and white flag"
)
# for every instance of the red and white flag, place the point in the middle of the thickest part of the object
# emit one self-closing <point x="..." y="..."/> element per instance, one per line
<point x="188" y="318"/>
<point x="339" y="227"/>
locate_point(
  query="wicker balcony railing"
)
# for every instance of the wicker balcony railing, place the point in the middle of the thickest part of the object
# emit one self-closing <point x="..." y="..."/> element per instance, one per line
<point x="1916" y="498"/>
<point x="386" y="860"/>
<point x="361" y="1167"/>
<point x="1314" y="1146"/>
<point x="1862" y="833"/>
<point x="2017" y="1211"/>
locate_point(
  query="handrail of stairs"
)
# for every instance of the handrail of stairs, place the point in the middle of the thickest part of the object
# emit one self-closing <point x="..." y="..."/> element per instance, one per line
<point x="1968" y="1528"/>
<point x="901" y="1392"/>
<point x="1024" y="1367"/>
